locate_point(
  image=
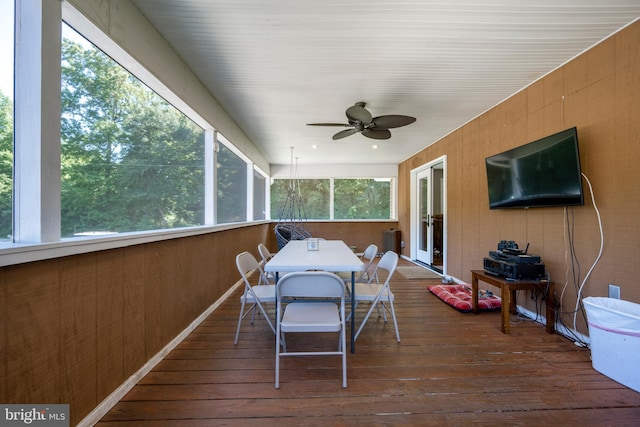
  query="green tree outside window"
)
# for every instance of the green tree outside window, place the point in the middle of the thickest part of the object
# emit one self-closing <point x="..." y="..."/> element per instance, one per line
<point x="232" y="187"/>
<point x="130" y="160"/>
<point x="6" y="167"/>
<point x="352" y="198"/>
<point x="362" y="199"/>
<point x="314" y="196"/>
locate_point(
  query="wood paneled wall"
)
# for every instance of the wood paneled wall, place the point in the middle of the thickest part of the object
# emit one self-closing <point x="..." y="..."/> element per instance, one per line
<point x="358" y="234"/>
<point x="599" y="93"/>
<point x="75" y="328"/>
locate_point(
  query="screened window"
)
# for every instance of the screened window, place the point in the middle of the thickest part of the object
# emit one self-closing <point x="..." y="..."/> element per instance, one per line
<point x="362" y="199"/>
<point x="6" y="120"/>
<point x="130" y="160"/>
<point x="312" y="199"/>
<point x="351" y="198"/>
<point x="6" y="167"/>
<point x="231" y="187"/>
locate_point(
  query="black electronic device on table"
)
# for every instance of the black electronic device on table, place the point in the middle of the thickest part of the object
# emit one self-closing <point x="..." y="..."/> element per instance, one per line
<point x="510" y="246"/>
<point x="513" y="263"/>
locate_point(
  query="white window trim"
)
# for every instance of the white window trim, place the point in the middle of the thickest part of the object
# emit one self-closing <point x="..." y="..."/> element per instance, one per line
<point x="210" y="176"/>
<point x="267" y="191"/>
<point x="36" y="208"/>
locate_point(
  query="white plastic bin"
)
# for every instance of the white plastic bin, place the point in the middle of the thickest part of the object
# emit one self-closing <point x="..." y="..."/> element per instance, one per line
<point x="614" y="330"/>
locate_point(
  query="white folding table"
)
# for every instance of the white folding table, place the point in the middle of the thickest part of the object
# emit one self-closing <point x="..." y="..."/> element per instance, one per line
<point x="331" y="255"/>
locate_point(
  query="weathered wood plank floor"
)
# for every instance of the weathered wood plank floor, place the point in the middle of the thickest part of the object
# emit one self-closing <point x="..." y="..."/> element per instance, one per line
<point x="450" y="369"/>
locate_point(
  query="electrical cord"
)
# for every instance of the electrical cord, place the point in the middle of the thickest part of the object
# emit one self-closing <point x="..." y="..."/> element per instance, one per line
<point x="595" y="262"/>
<point x="572" y="266"/>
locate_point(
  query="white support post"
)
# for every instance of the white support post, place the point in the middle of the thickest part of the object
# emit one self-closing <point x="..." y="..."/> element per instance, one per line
<point x="209" y="176"/>
<point x="37" y="121"/>
<point x="250" y="191"/>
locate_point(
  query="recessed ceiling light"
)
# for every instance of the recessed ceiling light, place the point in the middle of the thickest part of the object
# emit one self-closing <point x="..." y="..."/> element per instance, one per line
<point x="314" y="146"/>
<point x="374" y="146"/>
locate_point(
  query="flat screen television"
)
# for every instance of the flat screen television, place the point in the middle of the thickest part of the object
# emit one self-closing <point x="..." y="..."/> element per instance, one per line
<point x="541" y="173"/>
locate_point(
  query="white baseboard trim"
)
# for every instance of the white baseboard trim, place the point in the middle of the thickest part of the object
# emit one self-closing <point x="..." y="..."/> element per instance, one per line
<point x="105" y="406"/>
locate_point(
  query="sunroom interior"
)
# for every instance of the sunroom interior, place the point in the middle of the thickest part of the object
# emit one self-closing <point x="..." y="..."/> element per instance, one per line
<point x="86" y="304"/>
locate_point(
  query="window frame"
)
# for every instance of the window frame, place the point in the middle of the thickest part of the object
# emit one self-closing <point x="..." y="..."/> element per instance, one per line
<point x="39" y="26"/>
<point x="392" y="196"/>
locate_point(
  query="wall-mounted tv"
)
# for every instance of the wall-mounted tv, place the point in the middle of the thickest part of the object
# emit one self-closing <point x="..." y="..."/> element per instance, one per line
<point x="541" y="173"/>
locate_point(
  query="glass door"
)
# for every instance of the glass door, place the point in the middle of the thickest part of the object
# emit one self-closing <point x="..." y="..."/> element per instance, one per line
<point x="423" y="253"/>
<point x="430" y="216"/>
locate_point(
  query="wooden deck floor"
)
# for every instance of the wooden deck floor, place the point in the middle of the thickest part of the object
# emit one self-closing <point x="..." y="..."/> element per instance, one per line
<point x="450" y="369"/>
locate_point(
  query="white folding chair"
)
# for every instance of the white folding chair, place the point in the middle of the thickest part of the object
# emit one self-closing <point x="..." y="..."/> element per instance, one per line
<point x="256" y="295"/>
<point x="310" y="312"/>
<point x="377" y="293"/>
<point x="266" y="255"/>
<point x="368" y="256"/>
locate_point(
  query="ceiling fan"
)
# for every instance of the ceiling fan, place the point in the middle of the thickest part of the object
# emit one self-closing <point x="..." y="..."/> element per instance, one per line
<point x="361" y="121"/>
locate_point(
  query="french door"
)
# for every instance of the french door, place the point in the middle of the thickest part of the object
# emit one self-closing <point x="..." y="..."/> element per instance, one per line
<point x="428" y="215"/>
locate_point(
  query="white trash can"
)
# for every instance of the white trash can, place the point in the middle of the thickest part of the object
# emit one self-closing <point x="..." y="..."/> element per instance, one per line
<point x="614" y="331"/>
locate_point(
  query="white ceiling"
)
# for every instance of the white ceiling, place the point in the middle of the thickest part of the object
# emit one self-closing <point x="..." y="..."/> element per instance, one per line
<point x="277" y="65"/>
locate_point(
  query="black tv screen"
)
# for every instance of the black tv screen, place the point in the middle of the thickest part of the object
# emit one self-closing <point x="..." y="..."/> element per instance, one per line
<point x="541" y="173"/>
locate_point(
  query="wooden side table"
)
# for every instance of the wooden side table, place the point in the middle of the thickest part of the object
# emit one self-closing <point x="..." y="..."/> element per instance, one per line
<point x="508" y="290"/>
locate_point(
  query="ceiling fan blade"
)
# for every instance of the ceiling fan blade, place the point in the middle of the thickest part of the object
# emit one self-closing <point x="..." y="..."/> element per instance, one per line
<point x="377" y="133"/>
<point x="392" y="121"/>
<point x="357" y="112"/>
<point x="344" y="134"/>
<point x="328" y="124"/>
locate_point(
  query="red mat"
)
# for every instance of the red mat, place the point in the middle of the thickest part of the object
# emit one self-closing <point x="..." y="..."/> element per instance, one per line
<point x="459" y="297"/>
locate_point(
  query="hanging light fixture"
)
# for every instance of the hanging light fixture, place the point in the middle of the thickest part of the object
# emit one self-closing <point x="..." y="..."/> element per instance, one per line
<point x="292" y="216"/>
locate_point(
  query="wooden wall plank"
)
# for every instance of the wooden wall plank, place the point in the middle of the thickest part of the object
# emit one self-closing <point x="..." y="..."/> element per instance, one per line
<point x="110" y="320"/>
<point x="78" y="337"/>
<point x="575" y="75"/>
<point x="160" y="296"/>
<point x="455" y="197"/>
<point x="134" y="311"/>
<point x="185" y="274"/>
<point x="33" y="305"/>
<point x="201" y="277"/>
<point x="535" y="96"/>
<point x="601" y="61"/>
<point x="553" y="84"/>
